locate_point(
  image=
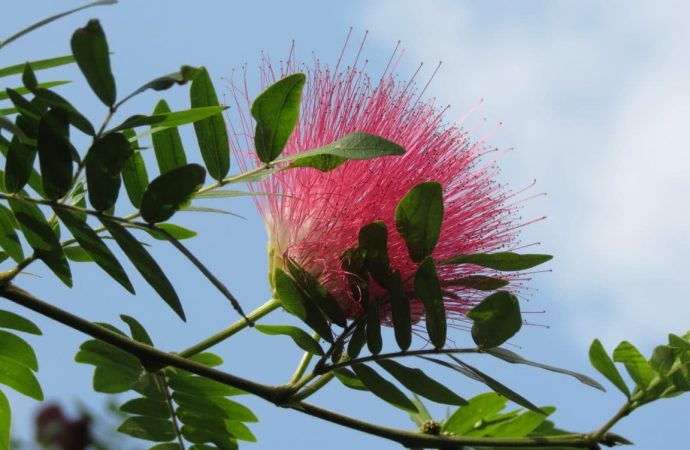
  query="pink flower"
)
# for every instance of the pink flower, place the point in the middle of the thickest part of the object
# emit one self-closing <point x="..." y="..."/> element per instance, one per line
<point x="317" y="215"/>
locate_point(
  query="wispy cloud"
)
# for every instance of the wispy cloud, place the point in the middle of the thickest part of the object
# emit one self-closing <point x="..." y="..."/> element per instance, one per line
<point x="595" y="98"/>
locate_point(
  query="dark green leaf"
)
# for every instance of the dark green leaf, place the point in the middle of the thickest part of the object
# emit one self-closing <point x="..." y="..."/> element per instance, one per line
<point x="211" y="133"/>
<point x="180" y="77"/>
<point x="104" y="163"/>
<point x="357" y="340"/>
<point x="147" y="407"/>
<point x="202" y="387"/>
<point x="14" y="321"/>
<point x="9" y="241"/>
<point x="145" y="264"/>
<point x="54" y="154"/>
<point x="400" y="311"/>
<point x="90" y="50"/>
<point x="301" y="338"/>
<point x="24" y="91"/>
<point x="110" y="379"/>
<point x="29" y="77"/>
<point x="374" y="340"/>
<point x="506" y="262"/>
<point x="496" y="319"/>
<point x="167" y="120"/>
<point x="37" y="65"/>
<point x="221" y="441"/>
<point x="373" y="238"/>
<point x="420" y="383"/>
<point x="26" y="108"/>
<point x="134" y="174"/>
<point x="480" y="407"/>
<point x="662" y="360"/>
<point x="479" y="282"/>
<point x="170" y="191"/>
<point x="295" y="302"/>
<point x="276" y="111"/>
<point x="42" y="238"/>
<point x="418" y="218"/>
<point x="317" y="293"/>
<point x="636" y="364"/>
<point x="514" y="358"/>
<point x="428" y="289"/>
<point x="15" y="348"/>
<point x="173" y="446"/>
<point x="148" y="428"/>
<point x="354" y="146"/>
<point x="349" y="379"/>
<point x="74" y="117"/>
<point x="5" y="422"/>
<point x="94" y="246"/>
<point x="215" y="406"/>
<point x="382" y="388"/>
<point x="167" y="144"/>
<point x="18" y="165"/>
<point x="20" y="378"/>
<point x="46" y="21"/>
<point x="601" y="361"/>
<point x="99" y="353"/>
<point x="137" y="330"/>
<point x="498" y="387"/>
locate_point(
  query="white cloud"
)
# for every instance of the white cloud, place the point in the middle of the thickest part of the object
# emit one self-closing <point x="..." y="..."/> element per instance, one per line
<point x="595" y="98"/>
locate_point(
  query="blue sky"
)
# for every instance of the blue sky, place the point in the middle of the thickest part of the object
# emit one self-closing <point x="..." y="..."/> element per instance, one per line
<point x="592" y="99"/>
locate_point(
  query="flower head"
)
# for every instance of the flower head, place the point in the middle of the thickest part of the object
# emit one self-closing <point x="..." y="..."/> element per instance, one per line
<point x="315" y="216"/>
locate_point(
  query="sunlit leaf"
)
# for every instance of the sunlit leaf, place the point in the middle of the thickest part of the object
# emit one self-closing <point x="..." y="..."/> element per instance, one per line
<point x="17" y="349"/>
<point x="601" y="361"/>
<point x="14" y="321"/>
<point x="301" y="338"/>
<point x="478" y="408"/>
<point x="20" y="378"/>
<point x="167" y="144"/>
<point x="5" y="422"/>
<point x="637" y="365"/>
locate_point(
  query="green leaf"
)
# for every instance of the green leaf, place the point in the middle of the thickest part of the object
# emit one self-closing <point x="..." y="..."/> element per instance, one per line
<point x="478" y="408"/>
<point x="18" y="165"/>
<point x="9" y="241"/>
<point x="24" y="91"/>
<point x="95" y="247"/>
<point x="374" y="340"/>
<point x="77" y="254"/>
<point x="147" y="407"/>
<point x="167" y="120"/>
<point x="428" y="289"/>
<point x="373" y="238"/>
<point x="506" y="262"/>
<point x="37" y="65"/>
<point x="215" y="406"/>
<point x="301" y="338"/>
<point x="74" y="117"/>
<point x="202" y="387"/>
<point x="137" y="330"/>
<point x="276" y="111"/>
<point x="176" y="231"/>
<point x="295" y="302"/>
<point x="418" y="218"/>
<point x="20" y="378"/>
<point x="317" y="293"/>
<point x="42" y="238"/>
<point x="29" y="77"/>
<point x="420" y="383"/>
<point x="167" y="144"/>
<point x="5" y="422"/>
<point x="104" y="163"/>
<point x="523" y="424"/>
<point x="498" y="387"/>
<point x="479" y="282"/>
<point x="400" y="311"/>
<point x="145" y="264"/>
<point x="601" y="361"/>
<point x="90" y="50"/>
<point x="134" y="174"/>
<point x="514" y="358"/>
<point x="180" y="77"/>
<point x="14" y="321"/>
<point x="637" y="365"/>
<point x="17" y="349"/>
<point x="382" y="388"/>
<point x="211" y="133"/>
<point x="349" y="379"/>
<point x="172" y="446"/>
<point x="148" y="428"/>
<point x="54" y="154"/>
<point x="170" y="191"/>
<point x="207" y="359"/>
<point x="351" y="147"/>
<point x="496" y="319"/>
<point x="46" y="21"/>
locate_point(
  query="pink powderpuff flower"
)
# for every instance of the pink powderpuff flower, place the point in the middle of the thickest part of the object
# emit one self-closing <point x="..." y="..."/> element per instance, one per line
<point x="315" y="216"/>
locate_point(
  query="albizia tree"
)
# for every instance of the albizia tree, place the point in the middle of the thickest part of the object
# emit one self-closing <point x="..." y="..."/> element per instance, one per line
<point x="378" y="214"/>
